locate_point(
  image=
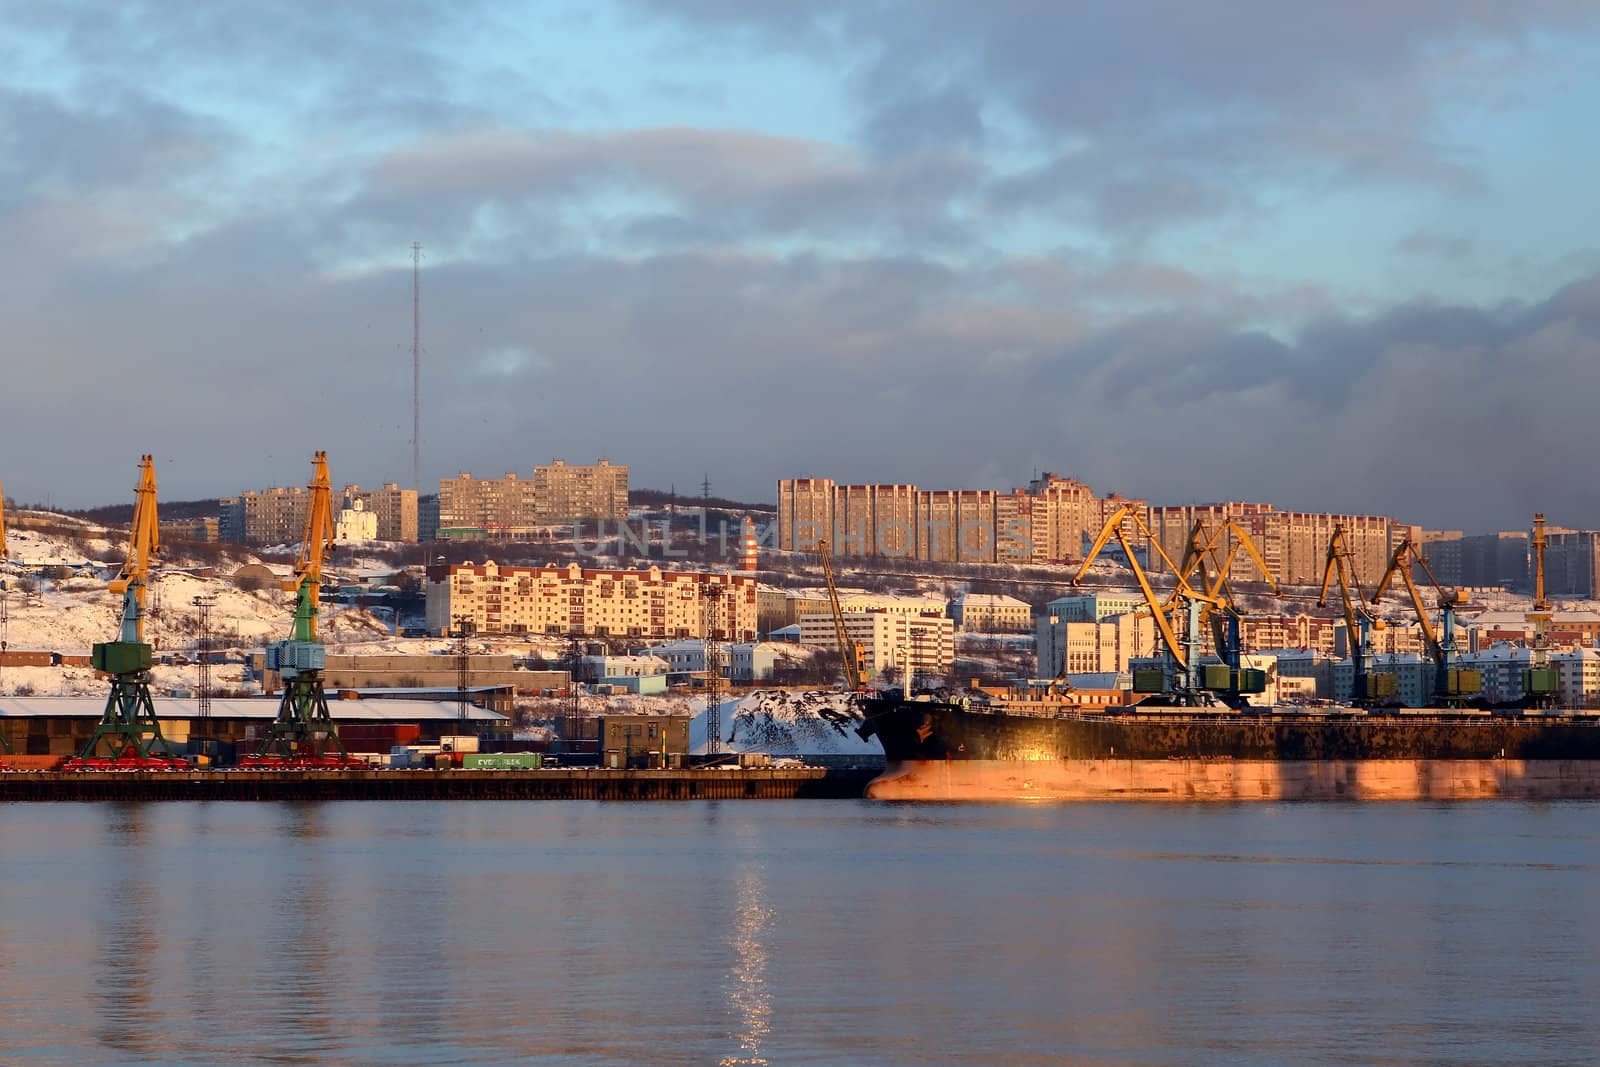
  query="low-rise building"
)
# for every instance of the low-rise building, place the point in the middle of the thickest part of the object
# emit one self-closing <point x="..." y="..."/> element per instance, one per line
<point x="1068" y="646"/>
<point x="1092" y="607"/>
<point x="990" y="613"/>
<point x="889" y="639"/>
<point x="642" y="740"/>
<point x="646" y="604"/>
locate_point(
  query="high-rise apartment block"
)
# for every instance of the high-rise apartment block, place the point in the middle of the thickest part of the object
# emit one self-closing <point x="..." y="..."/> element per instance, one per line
<point x="1055" y="520"/>
<point x="509" y="506"/>
<point x="395" y="508"/>
<point x="1050" y="521"/>
<point x="269" y="517"/>
<point x="562" y="493"/>
<point x="277" y="516"/>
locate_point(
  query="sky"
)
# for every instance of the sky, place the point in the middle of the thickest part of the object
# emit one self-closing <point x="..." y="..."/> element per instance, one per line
<point x="1332" y="257"/>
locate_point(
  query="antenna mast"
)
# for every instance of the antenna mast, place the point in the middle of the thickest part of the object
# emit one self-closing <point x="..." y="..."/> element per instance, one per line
<point x="416" y="366"/>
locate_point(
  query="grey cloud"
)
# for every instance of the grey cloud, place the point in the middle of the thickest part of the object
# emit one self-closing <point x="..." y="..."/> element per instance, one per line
<point x="1434" y="245"/>
<point x="1166" y="107"/>
<point x="1447" y="416"/>
<point x="722" y="182"/>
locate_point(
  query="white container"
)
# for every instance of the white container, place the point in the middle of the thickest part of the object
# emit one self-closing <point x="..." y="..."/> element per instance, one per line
<point x="459" y="743"/>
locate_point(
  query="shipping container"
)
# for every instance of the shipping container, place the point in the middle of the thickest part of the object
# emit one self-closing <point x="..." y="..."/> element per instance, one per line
<point x="502" y="761"/>
<point x="459" y="743"/>
<point x="31" y="763"/>
<point x="1149" y="681"/>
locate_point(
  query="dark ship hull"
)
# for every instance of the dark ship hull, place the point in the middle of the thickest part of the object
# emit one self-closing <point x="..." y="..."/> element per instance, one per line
<point x="1040" y="750"/>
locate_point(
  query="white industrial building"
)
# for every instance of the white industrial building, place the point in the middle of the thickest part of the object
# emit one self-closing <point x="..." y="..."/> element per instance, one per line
<point x="988" y="613"/>
<point x="1067" y="646"/>
<point x="1093" y="607"/>
<point x="889" y="639"/>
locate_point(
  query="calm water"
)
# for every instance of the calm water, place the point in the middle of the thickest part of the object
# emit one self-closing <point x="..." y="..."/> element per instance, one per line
<point x="799" y="932"/>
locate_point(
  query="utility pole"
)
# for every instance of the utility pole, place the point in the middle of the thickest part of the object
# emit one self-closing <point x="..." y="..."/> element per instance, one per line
<point x="202" y="687"/>
<point x="713" y="601"/>
<point x="464" y="628"/>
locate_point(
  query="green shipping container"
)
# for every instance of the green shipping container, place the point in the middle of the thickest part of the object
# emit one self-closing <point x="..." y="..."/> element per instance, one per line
<point x="1540" y="680"/>
<point x="1380" y="686"/>
<point x="1252" y="680"/>
<point x="1465" y="682"/>
<point x="1217" y="676"/>
<point x="121" y="657"/>
<point x="1149" y="681"/>
<point x="502" y="761"/>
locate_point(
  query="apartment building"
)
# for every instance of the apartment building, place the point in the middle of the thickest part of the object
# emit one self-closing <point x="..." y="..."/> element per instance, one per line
<point x="648" y="604"/>
<point x="1572" y="563"/>
<point x="805" y="513"/>
<point x="1075" y="647"/>
<point x="1055" y="520"/>
<point x="267" y="517"/>
<point x="889" y="639"/>
<point x="563" y="493"/>
<point x="496" y="506"/>
<point x="204" y="528"/>
<point x="395" y="509"/>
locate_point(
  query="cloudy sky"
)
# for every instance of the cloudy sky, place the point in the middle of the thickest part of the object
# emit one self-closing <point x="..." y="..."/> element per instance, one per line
<point x="1334" y="257"/>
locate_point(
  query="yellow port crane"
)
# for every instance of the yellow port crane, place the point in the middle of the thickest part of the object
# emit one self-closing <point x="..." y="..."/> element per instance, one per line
<point x="1181" y="678"/>
<point x="2" y="522"/>
<point x="1452" y="684"/>
<point x="1359" y="621"/>
<point x="128" y="727"/>
<point x="1539" y="680"/>
<point x="1204" y="544"/>
<point x="850" y="652"/>
<point x="304" y="730"/>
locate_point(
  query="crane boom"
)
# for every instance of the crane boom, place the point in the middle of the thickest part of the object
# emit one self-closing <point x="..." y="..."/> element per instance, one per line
<point x="144" y="543"/>
<point x="849" y="653"/>
<point x="128" y="732"/>
<point x="1114" y="527"/>
<point x="1337" y="567"/>
<point x="316" y="544"/>
<point x="1400" y="563"/>
<point x="2" y="522"/>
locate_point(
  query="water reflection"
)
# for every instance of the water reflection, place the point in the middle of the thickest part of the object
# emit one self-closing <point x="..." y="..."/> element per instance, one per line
<point x="752" y="1000"/>
<point x="125" y="939"/>
<point x="748" y="994"/>
<point x="300" y="945"/>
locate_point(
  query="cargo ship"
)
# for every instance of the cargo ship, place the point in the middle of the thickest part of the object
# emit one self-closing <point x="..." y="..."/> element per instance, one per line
<point x="1022" y="745"/>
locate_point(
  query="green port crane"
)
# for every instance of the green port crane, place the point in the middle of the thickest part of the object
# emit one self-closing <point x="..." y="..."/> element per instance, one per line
<point x="304" y="732"/>
<point x="128" y="732"/>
